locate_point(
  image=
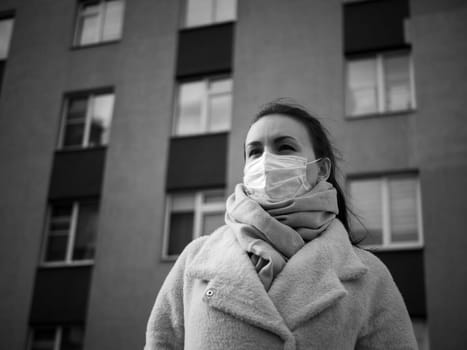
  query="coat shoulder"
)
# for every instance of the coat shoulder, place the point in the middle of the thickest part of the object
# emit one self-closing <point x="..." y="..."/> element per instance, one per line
<point x="196" y="246"/>
<point x="378" y="281"/>
<point x="376" y="267"/>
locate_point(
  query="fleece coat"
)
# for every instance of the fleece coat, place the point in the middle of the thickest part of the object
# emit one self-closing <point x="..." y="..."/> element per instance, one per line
<point x="330" y="295"/>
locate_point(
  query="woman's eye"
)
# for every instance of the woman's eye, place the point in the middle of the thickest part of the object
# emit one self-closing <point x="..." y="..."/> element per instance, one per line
<point x="286" y="148"/>
<point x="254" y="152"/>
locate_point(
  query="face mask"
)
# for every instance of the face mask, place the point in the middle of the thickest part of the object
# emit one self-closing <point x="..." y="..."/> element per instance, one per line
<point x="274" y="177"/>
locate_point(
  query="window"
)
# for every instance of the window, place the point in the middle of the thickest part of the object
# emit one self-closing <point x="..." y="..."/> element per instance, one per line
<point x="420" y="328"/>
<point x="87" y="120"/>
<point x="190" y="215"/>
<point x="203" y="12"/>
<point x="390" y="210"/>
<point x="379" y="84"/>
<point x="71" y="233"/>
<point x="6" y="29"/>
<point x="57" y="338"/>
<point x="98" y="21"/>
<point x="203" y="106"/>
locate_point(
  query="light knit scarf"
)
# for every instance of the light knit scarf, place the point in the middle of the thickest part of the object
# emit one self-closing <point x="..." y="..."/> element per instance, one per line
<point x="271" y="233"/>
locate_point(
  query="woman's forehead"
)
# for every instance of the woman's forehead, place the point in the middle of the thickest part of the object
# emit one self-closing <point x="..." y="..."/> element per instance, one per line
<point x="274" y="126"/>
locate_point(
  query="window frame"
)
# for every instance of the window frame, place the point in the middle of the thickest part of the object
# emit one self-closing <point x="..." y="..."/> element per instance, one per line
<point x="57" y="336"/>
<point x="387" y="244"/>
<point x="71" y="236"/>
<point x="379" y="58"/>
<point x="90" y="98"/>
<point x="8" y="16"/>
<point x="200" y="208"/>
<point x="100" y="14"/>
<point x="205" y="118"/>
<point x="212" y="21"/>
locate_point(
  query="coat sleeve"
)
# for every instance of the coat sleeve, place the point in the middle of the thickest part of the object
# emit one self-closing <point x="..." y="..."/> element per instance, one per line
<point x="165" y="327"/>
<point x="388" y="323"/>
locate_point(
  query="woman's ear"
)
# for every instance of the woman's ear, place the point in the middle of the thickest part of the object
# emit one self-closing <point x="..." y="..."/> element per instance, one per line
<point x="324" y="169"/>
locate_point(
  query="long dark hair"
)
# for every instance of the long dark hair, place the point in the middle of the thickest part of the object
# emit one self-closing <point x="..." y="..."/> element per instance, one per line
<point x="322" y="147"/>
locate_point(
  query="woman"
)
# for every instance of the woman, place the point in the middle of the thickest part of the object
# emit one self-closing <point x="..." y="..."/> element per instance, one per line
<point x="282" y="273"/>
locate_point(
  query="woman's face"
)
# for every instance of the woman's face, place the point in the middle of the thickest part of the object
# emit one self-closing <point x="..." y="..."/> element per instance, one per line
<point x="281" y="135"/>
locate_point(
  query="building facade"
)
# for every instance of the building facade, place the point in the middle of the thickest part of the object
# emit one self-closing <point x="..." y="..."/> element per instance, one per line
<point x="121" y="134"/>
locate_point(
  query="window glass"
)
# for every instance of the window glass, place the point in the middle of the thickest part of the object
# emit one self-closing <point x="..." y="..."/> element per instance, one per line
<point x="190" y="108"/>
<point x="390" y="210"/>
<point x="225" y="10"/>
<point x="58" y="232"/>
<point x="367" y="204"/>
<point x="181" y="231"/>
<point x="403" y="210"/>
<point x="211" y="222"/>
<point x="75" y="121"/>
<point x="113" y="18"/>
<point x="214" y="196"/>
<point x="99" y="21"/>
<point x="89" y="23"/>
<point x="220" y="107"/>
<point x="56" y="248"/>
<point x="204" y="106"/>
<point x="362" y="93"/>
<point x="101" y="115"/>
<point x="43" y="338"/>
<point x="88" y="120"/>
<point x="72" y="338"/>
<point x="77" y="107"/>
<point x="193" y="214"/>
<point x="420" y="328"/>
<point x="6" y="28"/>
<point x="397" y="74"/>
<point x="74" y="134"/>
<point x="219" y="86"/>
<point x="198" y="12"/>
<point x="183" y="202"/>
<point x="86" y="231"/>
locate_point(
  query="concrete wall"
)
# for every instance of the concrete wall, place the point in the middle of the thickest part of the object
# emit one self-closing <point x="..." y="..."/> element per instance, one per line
<point x="29" y="115"/>
<point x="440" y="54"/>
<point x="128" y="272"/>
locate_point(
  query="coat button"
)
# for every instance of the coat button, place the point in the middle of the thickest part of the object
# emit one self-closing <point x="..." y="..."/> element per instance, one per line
<point x="210" y="293"/>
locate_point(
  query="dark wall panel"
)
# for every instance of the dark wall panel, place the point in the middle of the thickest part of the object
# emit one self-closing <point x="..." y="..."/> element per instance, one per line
<point x="374" y="25"/>
<point x="407" y="269"/>
<point x="205" y="50"/>
<point x="60" y="295"/>
<point x="77" y="173"/>
<point x="197" y="162"/>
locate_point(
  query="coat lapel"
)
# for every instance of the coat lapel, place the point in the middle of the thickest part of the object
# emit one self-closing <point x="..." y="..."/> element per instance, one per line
<point x="234" y="285"/>
<point x="311" y="281"/>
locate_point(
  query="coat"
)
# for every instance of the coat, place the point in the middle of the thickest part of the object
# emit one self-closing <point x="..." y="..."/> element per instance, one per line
<point x="330" y="295"/>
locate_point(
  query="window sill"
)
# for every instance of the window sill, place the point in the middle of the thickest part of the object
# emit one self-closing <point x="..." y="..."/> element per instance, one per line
<point x="60" y="264"/>
<point x="381" y="115"/>
<point x="206" y="25"/>
<point x="93" y="45"/>
<point x="169" y="258"/>
<point x="186" y="136"/>
<point x="79" y="149"/>
<point x="390" y="248"/>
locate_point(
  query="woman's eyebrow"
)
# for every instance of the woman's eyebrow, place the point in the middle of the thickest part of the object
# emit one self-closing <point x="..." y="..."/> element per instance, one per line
<point x="253" y="144"/>
<point x="285" y="138"/>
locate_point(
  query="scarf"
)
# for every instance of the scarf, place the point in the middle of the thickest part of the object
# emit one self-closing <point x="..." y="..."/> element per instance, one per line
<point x="271" y="233"/>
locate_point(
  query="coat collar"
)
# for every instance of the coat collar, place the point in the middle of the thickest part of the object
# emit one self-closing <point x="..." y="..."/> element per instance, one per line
<point x="310" y="282"/>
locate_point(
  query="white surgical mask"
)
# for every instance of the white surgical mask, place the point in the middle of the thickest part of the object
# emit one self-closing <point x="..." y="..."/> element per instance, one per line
<point x="273" y="177"/>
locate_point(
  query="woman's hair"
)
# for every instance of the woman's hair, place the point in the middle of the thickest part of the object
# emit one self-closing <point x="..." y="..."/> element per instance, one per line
<point x="321" y="145"/>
